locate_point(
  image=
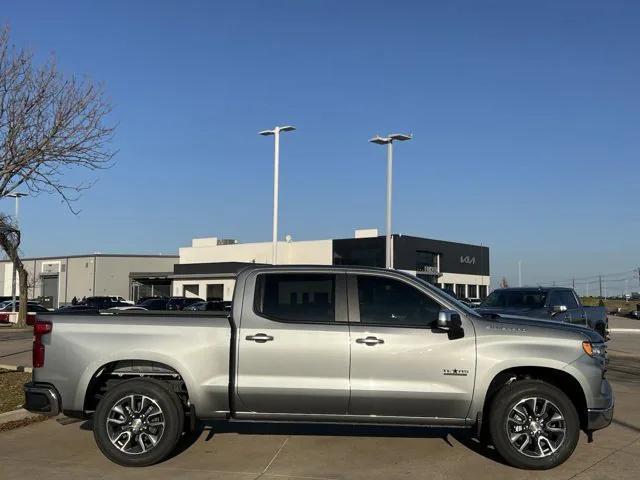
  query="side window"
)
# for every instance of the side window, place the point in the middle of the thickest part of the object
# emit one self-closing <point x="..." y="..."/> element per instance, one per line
<point x="554" y="299"/>
<point x="568" y="299"/>
<point x="386" y="301"/>
<point x="296" y="297"/>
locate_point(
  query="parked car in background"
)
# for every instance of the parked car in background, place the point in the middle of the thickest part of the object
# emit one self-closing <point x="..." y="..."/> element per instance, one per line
<point x="117" y="299"/>
<point x="210" y="305"/>
<point x="475" y="302"/>
<point x="127" y="308"/>
<point x="150" y="297"/>
<point x="104" y="302"/>
<point x="154" y="303"/>
<point x="306" y="344"/>
<point x="550" y="303"/>
<point x="179" y="303"/>
<point x="7" y="305"/>
<point x="33" y="308"/>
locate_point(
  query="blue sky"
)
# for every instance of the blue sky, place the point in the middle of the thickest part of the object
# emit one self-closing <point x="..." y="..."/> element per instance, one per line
<point x="526" y="119"/>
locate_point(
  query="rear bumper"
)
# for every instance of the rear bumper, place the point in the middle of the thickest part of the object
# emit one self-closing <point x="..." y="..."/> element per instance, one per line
<point x="41" y="398"/>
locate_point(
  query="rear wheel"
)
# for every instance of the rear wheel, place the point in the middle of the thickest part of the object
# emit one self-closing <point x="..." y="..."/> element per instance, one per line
<point x="138" y="423"/>
<point x="533" y="425"/>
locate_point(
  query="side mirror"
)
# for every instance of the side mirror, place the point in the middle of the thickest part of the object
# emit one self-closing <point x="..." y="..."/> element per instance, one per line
<point x="558" y="309"/>
<point x="448" y="320"/>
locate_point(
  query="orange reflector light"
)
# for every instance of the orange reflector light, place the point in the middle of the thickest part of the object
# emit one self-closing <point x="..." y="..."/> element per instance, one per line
<point x="588" y="348"/>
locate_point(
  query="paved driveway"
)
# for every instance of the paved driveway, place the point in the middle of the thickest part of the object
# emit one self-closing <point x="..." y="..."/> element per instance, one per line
<point x="251" y="451"/>
<point x="15" y="346"/>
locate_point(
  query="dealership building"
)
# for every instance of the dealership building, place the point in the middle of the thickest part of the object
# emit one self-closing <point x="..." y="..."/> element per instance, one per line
<point x="208" y="267"/>
<point x="54" y="281"/>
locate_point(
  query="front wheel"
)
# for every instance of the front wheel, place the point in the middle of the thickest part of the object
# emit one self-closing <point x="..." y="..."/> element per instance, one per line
<point x="137" y="423"/>
<point x="533" y="425"/>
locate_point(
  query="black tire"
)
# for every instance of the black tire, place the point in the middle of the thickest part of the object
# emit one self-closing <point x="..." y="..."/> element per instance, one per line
<point x="501" y="426"/>
<point x="601" y="330"/>
<point x="171" y="415"/>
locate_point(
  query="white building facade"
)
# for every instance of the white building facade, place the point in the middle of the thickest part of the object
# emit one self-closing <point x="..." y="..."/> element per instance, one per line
<point x="207" y="268"/>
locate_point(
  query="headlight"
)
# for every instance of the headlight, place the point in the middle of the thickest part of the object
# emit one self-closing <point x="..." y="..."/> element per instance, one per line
<point x="597" y="350"/>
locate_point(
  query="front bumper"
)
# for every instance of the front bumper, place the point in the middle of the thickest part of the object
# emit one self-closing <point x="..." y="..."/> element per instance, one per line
<point x="41" y="398"/>
<point x="598" y="418"/>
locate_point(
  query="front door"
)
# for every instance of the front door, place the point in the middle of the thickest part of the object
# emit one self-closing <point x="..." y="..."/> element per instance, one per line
<point x="401" y="365"/>
<point x="293" y="344"/>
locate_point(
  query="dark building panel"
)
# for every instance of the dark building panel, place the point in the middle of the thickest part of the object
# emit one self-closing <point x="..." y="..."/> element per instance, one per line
<point x="410" y="252"/>
<point x="367" y="252"/>
<point x="413" y="253"/>
<point x="213" y="267"/>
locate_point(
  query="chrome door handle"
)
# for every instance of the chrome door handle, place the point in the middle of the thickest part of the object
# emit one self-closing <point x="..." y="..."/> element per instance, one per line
<point x="259" y="337"/>
<point x="370" y="341"/>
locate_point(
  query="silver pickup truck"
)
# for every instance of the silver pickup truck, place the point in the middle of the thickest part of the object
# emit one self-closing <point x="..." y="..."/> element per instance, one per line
<point x="324" y="344"/>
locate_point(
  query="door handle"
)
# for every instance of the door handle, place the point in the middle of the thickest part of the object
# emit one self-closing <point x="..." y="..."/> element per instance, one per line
<point x="371" y="341"/>
<point x="259" y="337"/>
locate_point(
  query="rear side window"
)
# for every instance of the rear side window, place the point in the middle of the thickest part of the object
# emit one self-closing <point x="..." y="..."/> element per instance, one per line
<point x="296" y="297"/>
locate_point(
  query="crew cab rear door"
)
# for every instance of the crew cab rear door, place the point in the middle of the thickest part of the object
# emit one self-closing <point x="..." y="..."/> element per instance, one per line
<point x="293" y="343"/>
<point x="401" y="364"/>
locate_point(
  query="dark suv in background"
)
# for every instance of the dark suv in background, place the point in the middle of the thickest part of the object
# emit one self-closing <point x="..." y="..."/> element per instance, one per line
<point x="178" y="303"/>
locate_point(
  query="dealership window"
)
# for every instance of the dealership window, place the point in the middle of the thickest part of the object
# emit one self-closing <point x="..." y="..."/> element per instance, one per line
<point x="448" y="286"/>
<point x="215" y="291"/>
<point x="386" y="301"/>
<point x="472" y="291"/>
<point x="461" y="290"/>
<point x="426" y="260"/>
<point x="296" y="297"/>
<point x="191" y="290"/>
<point x="483" y="292"/>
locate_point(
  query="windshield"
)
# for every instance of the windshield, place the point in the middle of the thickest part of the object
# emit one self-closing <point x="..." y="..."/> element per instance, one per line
<point x="516" y="299"/>
<point x="449" y="298"/>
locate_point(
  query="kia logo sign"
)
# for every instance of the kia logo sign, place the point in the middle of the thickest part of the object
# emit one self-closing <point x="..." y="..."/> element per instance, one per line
<point x="468" y="259"/>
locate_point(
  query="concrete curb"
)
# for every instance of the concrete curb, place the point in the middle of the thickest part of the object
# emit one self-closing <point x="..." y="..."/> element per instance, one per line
<point x="616" y="354"/>
<point x="16" y="368"/>
<point x="624" y="330"/>
<point x="16" y="415"/>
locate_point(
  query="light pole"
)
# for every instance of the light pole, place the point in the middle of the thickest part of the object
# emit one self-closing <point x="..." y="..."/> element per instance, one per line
<point x="388" y="141"/>
<point x="519" y="273"/>
<point x="17" y="196"/>
<point x="276" y="167"/>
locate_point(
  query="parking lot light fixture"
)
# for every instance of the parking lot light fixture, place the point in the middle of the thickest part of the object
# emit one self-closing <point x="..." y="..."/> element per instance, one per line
<point x="388" y="141"/>
<point x="276" y="167"/>
<point x="17" y="196"/>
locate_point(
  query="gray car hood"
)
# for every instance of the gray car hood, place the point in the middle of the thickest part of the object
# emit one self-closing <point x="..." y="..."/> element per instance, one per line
<point x="536" y="322"/>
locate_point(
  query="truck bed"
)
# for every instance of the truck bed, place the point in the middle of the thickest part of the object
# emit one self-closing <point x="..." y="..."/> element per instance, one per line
<point x="83" y="348"/>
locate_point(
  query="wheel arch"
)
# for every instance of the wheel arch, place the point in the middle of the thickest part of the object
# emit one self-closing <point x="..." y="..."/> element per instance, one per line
<point x="560" y="379"/>
<point x="117" y="371"/>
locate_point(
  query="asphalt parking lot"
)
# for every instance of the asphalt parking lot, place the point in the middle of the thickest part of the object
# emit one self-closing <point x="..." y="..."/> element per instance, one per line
<point x="251" y="451"/>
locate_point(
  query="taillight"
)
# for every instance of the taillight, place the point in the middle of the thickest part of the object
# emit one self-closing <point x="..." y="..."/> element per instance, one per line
<point x="39" y="329"/>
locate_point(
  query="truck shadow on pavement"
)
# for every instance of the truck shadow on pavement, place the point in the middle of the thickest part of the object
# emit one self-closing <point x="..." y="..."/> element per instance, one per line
<point x="209" y="429"/>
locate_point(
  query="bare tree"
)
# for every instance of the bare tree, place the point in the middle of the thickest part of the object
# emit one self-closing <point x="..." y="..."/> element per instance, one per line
<point x="10" y="243"/>
<point x="50" y="124"/>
